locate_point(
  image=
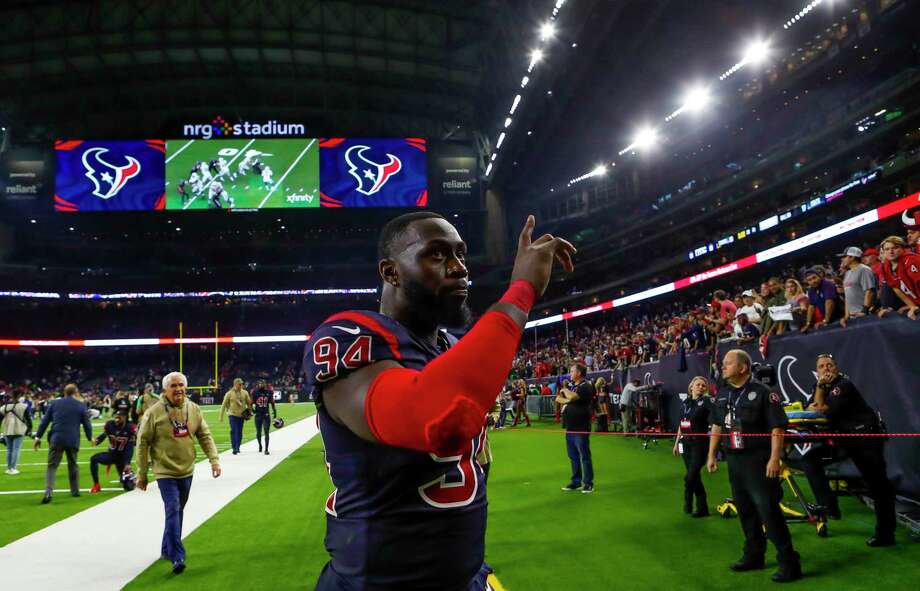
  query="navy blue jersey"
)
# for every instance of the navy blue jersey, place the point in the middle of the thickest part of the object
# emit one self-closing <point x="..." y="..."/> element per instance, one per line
<point x="262" y="399"/>
<point x="397" y="518"/>
<point x="121" y="439"/>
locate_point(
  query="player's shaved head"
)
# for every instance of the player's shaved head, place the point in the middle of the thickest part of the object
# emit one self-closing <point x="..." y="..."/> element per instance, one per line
<point x="394" y="230"/>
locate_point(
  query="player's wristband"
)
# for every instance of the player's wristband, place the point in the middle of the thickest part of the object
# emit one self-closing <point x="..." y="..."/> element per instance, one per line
<point x="522" y="294"/>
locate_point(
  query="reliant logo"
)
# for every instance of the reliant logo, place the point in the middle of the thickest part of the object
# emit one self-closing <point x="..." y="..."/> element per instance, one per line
<point x="220" y="128"/>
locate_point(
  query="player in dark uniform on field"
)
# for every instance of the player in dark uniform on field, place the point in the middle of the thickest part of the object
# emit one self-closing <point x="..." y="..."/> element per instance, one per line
<point x="214" y="167"/>
<point x="182" y="189"/>
<point x="402" y="406"/>
<point x="262" y="399"/>
<point x="122" y="437"/>
<point x="121" y="403"/>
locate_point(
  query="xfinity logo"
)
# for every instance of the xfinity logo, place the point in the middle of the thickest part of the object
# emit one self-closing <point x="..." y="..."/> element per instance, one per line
<point x="221" y="128"/>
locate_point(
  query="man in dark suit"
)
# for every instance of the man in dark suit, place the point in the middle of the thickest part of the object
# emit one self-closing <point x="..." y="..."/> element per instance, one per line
<point x="65" y="417"/>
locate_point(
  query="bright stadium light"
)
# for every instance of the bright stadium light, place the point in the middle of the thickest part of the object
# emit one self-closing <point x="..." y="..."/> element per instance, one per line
<point x="489" y="169"/>
<point x="507" y="121"/>
<point x="547" y="31"/>
<point x="599" y="170"/>
<point x="696" y="99"/>
<point x="501" y="138"/>
<point x="514" y="104"/>
<point x="645" y="139"/>
<point x="756" y="53"/>
<point x="524" y="81"/>
<point x="535" y="56"/>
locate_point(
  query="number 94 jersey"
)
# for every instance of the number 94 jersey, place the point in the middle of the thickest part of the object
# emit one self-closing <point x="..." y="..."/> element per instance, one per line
<point x="397" y="517"/>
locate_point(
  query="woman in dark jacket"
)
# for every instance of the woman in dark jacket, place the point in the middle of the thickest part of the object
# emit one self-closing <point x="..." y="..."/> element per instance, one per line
<point x="693" y="444"/>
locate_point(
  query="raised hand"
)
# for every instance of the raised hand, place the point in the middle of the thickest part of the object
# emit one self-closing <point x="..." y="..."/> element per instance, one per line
<point x="534" y="260"/>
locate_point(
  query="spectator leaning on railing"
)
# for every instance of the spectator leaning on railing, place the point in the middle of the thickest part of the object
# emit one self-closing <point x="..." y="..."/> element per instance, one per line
<point x="823" y="302"/>
<point x="858" y="285"/>
<point x="902" y="273"/>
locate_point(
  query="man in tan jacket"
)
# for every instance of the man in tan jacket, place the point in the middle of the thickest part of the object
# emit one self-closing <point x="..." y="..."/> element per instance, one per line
<point x="165" y="438"/>
<point x="236" y="401"/>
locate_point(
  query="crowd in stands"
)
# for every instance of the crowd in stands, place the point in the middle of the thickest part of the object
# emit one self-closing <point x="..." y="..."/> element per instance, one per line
<point x="875" y="280"/>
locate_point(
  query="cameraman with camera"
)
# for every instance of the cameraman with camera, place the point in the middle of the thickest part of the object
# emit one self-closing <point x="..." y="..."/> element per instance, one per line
<point x="847" y="412"/>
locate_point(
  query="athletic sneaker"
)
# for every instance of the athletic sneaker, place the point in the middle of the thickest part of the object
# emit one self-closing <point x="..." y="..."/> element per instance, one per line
<point x="96" y="488"/>
<point x="14" y="472"/>
<point x="571" y="487"/>
<point x="587" y="489"/>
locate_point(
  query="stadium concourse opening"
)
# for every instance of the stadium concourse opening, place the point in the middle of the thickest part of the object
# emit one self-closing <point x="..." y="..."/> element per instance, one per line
<point x="576" y="294"/>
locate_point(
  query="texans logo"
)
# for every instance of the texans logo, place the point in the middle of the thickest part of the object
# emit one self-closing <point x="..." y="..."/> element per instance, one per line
<point x="112" y="178"/>
<point x="373" y="176"/>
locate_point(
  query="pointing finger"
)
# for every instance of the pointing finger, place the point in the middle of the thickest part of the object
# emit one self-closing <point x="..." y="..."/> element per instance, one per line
<point x="524" y="238"/>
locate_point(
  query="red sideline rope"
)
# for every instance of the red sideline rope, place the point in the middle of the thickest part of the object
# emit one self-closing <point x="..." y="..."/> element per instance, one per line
<point x="821" y="435"/>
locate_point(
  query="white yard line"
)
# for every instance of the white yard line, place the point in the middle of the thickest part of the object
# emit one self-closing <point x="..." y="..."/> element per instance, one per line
<point x="205" y="189"/>
<point x="286" y="172"/>
<point x="177" y="152"/>
<point x="137" y="517"/>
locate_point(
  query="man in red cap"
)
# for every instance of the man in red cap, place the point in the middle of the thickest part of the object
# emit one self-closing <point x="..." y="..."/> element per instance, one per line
<point x="912" y="225"/>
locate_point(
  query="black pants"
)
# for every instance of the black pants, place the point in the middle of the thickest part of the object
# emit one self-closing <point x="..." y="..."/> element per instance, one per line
<point x="108" y="458"/>
<point x="869" y="456"/>
<point x="757" y="499"/>
<point x="694" y="460"/>
<point x="263" y="422"/>
<point x="602" y="423"/>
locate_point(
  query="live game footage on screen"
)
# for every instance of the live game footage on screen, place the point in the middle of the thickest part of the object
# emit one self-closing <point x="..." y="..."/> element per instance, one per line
<point x="241" y="174"/>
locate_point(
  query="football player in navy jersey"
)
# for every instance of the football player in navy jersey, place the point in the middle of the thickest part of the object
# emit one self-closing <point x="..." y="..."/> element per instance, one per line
<point x="401" y="407"/>
<point x="122" y="437"/>
<point x="262" y="399"/>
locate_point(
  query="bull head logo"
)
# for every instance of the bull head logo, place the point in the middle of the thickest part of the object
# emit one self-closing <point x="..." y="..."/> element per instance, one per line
<point x="108" y="179"/>
<point x="370" y="175"/>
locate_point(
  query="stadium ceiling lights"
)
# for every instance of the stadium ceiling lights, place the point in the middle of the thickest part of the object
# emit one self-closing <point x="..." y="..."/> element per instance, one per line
<point x="545" y="34"/>
<point x="755" y="53"/>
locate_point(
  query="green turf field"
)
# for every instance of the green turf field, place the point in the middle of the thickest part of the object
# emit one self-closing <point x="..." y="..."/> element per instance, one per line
<point x="630" y="534"/>
<point x="294" y="162"/>
<point x="23" y="513"/>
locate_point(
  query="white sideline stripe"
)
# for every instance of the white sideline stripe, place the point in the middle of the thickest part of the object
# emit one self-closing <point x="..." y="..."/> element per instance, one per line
<point x="177" y="152"/>
<point x="286" y="172"/>
<point x="139" y="515"/>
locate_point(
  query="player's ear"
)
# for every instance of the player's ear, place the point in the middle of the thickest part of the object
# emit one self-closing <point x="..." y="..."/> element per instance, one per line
<point x="388" y="272"/>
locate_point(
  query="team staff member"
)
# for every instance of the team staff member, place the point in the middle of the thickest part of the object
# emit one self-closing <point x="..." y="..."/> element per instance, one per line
<point x="578" y="402"/>
<point x="122" y="436"/>
<point x="847" y="412"/>
<point x="691" y="443"/>
<point x="262" y="399"/>
<point x="165" y="439"/>
<point x="745" y="406"/>
<point x="144" y="402"/>
<point x="236" y="400"/>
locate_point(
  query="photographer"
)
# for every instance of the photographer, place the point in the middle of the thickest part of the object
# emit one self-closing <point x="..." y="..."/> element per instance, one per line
<point x="578" y="401"/>
<point x="847" y="412"/>
<point x="16" y="426"/>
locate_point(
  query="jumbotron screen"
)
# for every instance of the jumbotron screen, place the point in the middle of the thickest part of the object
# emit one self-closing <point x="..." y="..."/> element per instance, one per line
<point x="240" y="174"/>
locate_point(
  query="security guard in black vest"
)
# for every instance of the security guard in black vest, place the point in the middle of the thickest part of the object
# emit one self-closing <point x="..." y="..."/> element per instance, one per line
<point x="745" y="406"/>
<point x="847" y="412"/>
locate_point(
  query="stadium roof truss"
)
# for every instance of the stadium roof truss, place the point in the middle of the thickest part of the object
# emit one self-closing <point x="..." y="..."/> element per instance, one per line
<point x="395" y="67"/>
